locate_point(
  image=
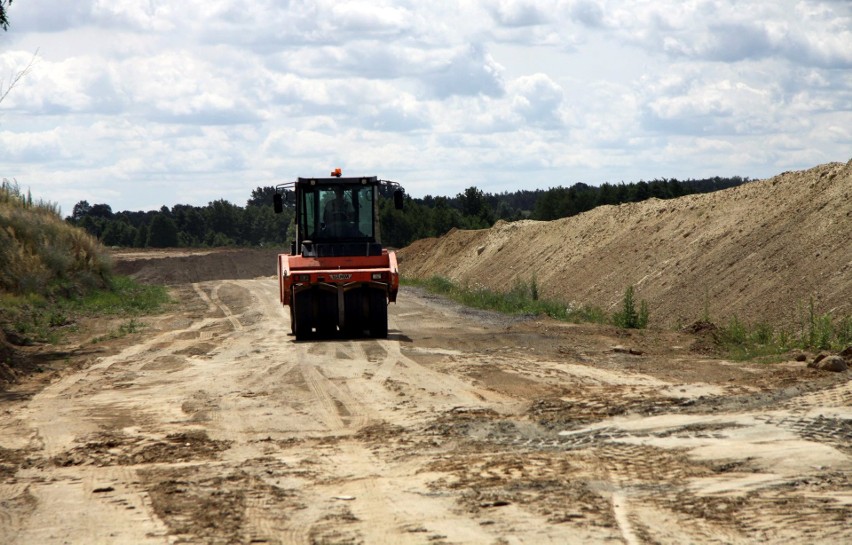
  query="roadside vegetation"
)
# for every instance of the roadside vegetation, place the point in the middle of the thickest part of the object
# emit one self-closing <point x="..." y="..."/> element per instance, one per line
<point x="734" y="339"/>
<point x="52" y="274"/>
<point x="522" y="299"/>
<point x="814" y="332"/>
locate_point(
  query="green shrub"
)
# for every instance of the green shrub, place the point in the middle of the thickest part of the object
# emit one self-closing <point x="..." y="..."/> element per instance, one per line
<point x="629" y="317"/>
<point x="843" y="332"/>
<point x="763" y="334"/>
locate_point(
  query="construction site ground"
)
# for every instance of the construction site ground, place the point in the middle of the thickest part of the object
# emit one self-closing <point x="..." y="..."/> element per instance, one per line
<point x="212" y="425"/>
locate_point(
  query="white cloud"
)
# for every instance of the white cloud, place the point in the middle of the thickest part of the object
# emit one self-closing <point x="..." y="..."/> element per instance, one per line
<point x="519" y="13"/>
<point x="539" y="101"/>
<point x="370" y="17"/>
<point x="711" y="107"/>
<point x="470" y="71"/>
<point x="587" y="12"/>
<point x="181" y="87"/>
<point x="147" y="102"/>
<point x="31" y="146"/>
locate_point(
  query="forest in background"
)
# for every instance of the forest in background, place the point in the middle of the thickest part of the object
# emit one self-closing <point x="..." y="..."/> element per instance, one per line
<point x="222" y="223"/>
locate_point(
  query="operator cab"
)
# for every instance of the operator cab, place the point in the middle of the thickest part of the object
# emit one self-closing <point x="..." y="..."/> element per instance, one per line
<point x="335" y="217"/>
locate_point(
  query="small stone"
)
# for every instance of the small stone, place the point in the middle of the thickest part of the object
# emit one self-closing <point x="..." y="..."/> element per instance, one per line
<point x="801" y="356"/>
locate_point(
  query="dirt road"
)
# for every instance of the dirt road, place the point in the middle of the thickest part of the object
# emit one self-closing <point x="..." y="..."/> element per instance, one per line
<point x="461" y="427"/>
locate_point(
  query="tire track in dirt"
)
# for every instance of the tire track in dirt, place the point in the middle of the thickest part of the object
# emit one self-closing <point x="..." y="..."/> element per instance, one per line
<point x="341" y="410"/>
<point x="211" y="306"/>
<point x="317" y="385"/>
<point x="214" y="297"/>
<point x="16" y="505"/>
<point x="405" y="441"/>
<point x="444" y="387"/>
<point x="622" y="517"/>
<point x="89" y="505"/>
<point x="762" y="507"/>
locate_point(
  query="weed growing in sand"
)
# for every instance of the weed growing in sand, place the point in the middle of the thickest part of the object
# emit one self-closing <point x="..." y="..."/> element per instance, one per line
<point x="629" y="317"/>
<point x="33" y="318"/>
<point x="818" y="331"/>
<point x="534" y="288"/>
<point x="131" y="326"/>
<point x="523" y="298"/>
<point x="705" y="317"/>
<point x="742" y="341"/>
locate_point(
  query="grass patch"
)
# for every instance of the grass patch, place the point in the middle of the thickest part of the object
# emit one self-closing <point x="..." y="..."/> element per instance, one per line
<point x="131" y="326"/>
<point x="741" y="341"/>
<point x="522" y="299"/>
<point x="737" y="339"/>
<point x="33" y="318"/>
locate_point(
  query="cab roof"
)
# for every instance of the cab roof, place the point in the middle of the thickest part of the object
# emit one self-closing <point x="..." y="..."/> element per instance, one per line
<point x="360" y="180"/>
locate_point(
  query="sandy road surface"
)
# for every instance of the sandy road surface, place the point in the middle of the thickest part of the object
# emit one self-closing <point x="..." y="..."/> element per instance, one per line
<point x="461" y="427"/>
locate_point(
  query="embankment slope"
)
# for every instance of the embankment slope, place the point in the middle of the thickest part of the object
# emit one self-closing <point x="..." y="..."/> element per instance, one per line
<point x="760" y="251"/>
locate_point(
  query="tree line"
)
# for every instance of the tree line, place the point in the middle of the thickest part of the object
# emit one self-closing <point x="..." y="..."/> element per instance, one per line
<point x="222" y="223"/>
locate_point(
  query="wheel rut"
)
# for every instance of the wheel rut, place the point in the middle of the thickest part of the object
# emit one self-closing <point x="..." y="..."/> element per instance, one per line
<point x="217" y="427"/>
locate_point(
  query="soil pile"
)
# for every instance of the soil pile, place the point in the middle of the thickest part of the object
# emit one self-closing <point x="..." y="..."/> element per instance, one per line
<point x="186" y="266"/>
<point x="761" y="251"/>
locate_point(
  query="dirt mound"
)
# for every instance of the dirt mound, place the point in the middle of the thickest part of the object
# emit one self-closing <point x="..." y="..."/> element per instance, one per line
<point x="185" y="266"/>
<point x="760" y="251"/>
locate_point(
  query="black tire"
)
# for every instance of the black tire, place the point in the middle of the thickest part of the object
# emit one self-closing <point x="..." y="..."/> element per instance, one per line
<point x="304" y="312"/>
<point x="355" y="319"/>
<point x="327" y="319"/>
<point x="378" y="314"/>
<point x="292" y="317"/>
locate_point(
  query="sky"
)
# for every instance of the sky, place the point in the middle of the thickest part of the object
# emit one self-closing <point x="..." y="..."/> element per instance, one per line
<point x="144" y="103"/>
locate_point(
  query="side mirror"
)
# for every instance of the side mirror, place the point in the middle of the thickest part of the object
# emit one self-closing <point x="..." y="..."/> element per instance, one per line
<point x="398" y="198"/>
<point x="278" y="203"/>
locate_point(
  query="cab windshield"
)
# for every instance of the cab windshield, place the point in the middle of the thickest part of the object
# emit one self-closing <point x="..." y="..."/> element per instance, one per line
<point x="338" y="212"/>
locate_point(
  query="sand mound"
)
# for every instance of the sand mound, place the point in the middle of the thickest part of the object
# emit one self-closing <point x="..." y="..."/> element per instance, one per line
<point x="178" y="266"/>
<point x="760" y="251"/>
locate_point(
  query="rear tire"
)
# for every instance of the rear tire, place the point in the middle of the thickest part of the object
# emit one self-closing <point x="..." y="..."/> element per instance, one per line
<point x="327" y="319"/>
<point x="378" y="314"/>
<point x="355" y="319"/>
<point x="304" y="311"/>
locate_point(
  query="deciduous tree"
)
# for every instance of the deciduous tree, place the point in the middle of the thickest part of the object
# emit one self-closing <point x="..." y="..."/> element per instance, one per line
<point x="4" y="20"/>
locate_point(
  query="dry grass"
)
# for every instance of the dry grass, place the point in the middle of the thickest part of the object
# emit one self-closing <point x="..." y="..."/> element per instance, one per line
<point x="42" y="254"/>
